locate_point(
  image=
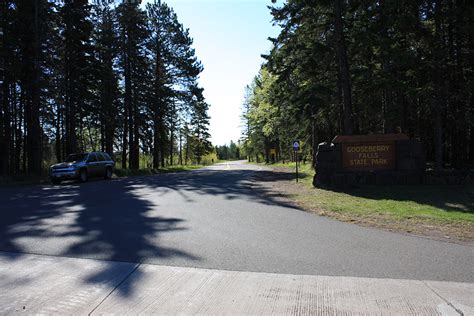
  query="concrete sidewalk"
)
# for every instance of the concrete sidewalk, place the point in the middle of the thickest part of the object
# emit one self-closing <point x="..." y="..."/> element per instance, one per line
<point x="34" y="284"/>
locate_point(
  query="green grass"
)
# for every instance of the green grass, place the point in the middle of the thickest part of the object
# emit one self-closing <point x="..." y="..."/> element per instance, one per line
<point x="430" y="203"/>
<point x="305" y="172"/>
<point x="435" y="203"/>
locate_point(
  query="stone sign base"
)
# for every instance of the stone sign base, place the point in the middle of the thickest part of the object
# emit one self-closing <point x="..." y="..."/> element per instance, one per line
<point x="391" y="159"/>
<point x="344" y="180"/>
<point x="373" y="159"/>
<point x="449" y="177"/>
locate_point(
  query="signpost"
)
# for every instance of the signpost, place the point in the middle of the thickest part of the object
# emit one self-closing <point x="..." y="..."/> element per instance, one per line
<point x="273" y="153"/>
<point x="296" y="148"/>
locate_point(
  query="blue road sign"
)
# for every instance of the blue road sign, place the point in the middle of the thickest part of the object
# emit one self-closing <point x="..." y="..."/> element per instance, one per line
<point x="296" y="145"/>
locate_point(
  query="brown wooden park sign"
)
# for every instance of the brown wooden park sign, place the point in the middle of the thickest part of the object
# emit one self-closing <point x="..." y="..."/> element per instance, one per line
<point x="369" y="152"/>
<point x="369" y="159"/>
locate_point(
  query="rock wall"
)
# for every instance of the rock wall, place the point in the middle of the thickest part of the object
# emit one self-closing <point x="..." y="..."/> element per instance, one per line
<point x="409" y="166"/>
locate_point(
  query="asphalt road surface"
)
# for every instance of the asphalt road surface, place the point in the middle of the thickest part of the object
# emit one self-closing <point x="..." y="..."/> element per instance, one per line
<point x="217" y="218"/>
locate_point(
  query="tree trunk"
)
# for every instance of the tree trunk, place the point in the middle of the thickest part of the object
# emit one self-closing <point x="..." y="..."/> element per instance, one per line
<point x="3" y="84"/>
<point x="344" y="73"/>
<point x="58" y="133"/>
<point x="162" y="148"/>
<point x="172" y="139"/>
<point x="180" y="148"/>
<point x="136" y="139"/>
<point x="109" y="138"/>
<point x="438" y="88"/>
<point x="314" y="142"/>
<point x="6" y="130"/>
<point x="128" y="106"/>
<point x="171" y="153"/>
<point x="471" y="131"/>
<point x="188" y="147"/>
<point x="124" y="138"/>
<point x="387" y="95"/>
<point x="70" y="100"/>
<point x="35" y="134"/>
<point x="18" y="117"/>
<point x="156" y="144"/>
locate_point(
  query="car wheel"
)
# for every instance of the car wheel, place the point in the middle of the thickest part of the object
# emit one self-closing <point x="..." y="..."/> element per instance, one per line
<point x="83" y="175"/>
<point x="55" y="181"/>
<point x="108" y="173"/>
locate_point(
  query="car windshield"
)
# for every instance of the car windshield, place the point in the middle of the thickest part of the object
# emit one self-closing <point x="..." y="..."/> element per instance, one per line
<point x="76" y="157"/>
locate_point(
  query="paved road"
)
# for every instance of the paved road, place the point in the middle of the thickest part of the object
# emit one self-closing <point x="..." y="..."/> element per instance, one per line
<point x="214" y="218"/>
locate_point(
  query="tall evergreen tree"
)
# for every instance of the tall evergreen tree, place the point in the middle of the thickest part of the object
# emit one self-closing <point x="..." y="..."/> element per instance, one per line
<point x="410" y="71"/>
<point x="175" y="72"/>
<point x="81" y="75"/>
<point x="133" y="35"/>
<point x="77" y="63"/>
<point x="200" y="127"/>
<point x="106" y="49"/>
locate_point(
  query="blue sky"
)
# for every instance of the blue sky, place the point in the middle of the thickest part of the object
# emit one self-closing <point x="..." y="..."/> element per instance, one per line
<point x="229" y="37"/>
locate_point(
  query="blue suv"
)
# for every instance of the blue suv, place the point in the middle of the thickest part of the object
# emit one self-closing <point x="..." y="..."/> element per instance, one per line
<point x="82" y="167"/>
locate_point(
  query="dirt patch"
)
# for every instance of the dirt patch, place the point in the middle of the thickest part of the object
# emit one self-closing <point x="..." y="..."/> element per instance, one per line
<point x="283" y="187"/>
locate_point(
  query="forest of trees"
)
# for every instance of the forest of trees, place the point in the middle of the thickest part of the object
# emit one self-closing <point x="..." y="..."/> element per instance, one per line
<point x="363" y="67"/>
<point x="230" y="152"/>
<point x="82" y="75"/>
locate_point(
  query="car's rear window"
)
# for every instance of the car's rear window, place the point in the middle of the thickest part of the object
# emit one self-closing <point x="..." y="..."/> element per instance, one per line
<point x="100" y="156"/>
<point x="75" y="157"/>
<point x="106" y="156"/>
<point x="92" y="157"/>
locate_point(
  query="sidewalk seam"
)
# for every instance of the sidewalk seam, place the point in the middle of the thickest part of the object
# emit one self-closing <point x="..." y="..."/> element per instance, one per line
<point x="457" y="310"/>
<point x="116" y="287"/>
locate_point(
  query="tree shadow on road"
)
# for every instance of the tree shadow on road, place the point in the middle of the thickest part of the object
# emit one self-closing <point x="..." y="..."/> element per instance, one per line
<point x="230" y="184"/>
<point x="97" y="220"/>
<point x="110" y="220"/>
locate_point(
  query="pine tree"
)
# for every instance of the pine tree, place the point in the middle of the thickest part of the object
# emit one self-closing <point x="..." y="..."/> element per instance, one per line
<point x="133" y="62"/>
<point x="410" y="71"/>
<point x="80" y="75"/>
<point x="106" y="48"/>
<point x="200" y="127"/>
<point x="175" y="71"/>
<point x="78" y="63"/>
